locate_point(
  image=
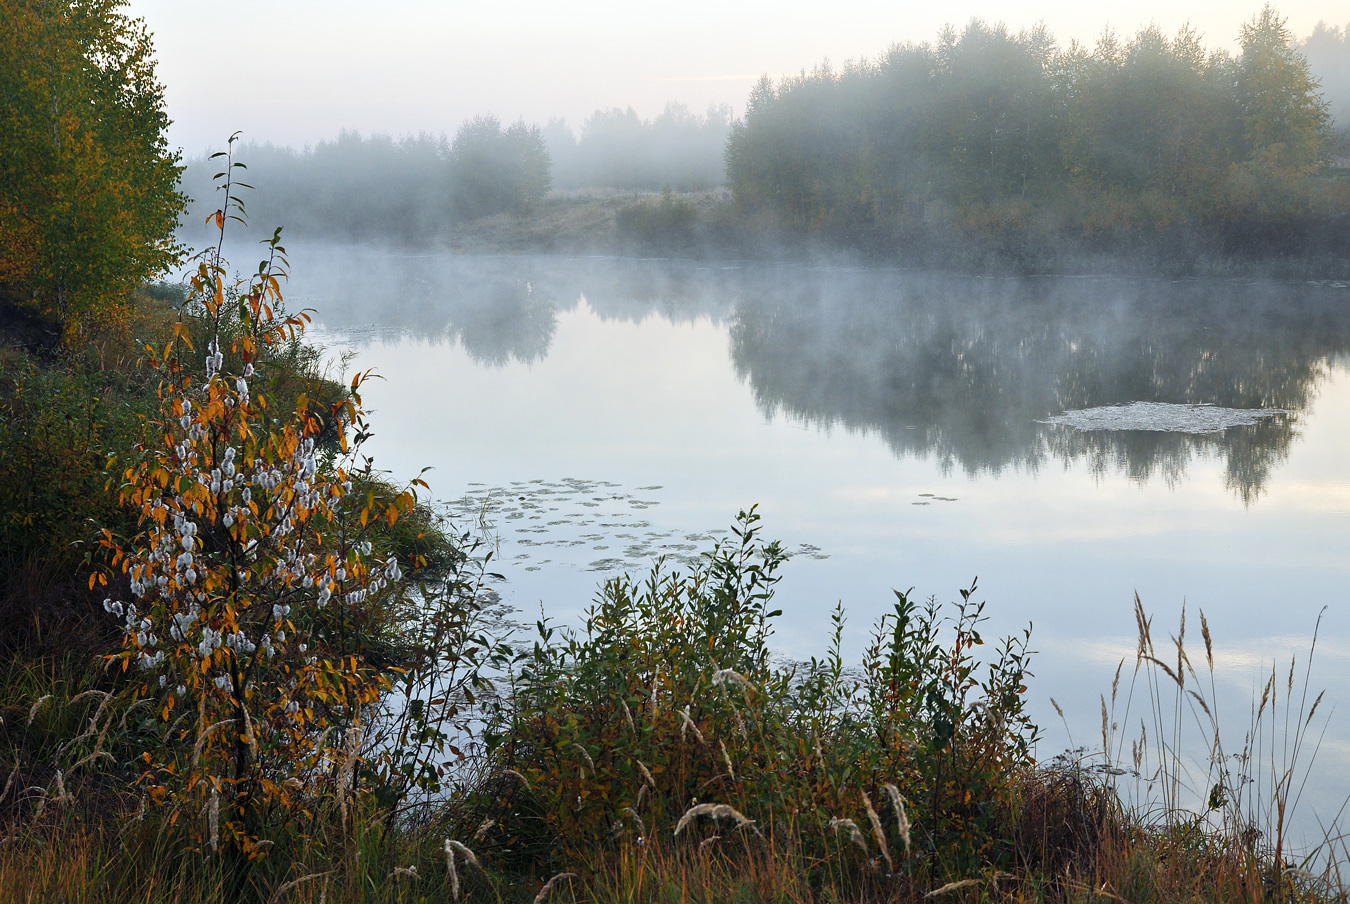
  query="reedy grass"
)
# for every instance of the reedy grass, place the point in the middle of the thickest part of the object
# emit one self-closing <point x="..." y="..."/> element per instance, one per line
<point x="1244" y="796"/>
<point x="787" y="797"/>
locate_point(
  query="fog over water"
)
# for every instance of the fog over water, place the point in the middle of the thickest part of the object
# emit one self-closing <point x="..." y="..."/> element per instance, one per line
<point x="598" y="413"/>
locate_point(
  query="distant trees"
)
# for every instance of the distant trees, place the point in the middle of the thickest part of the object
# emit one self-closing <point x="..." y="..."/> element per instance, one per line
<point x="1284" y="118"/>
<point x="353" y="187"/>
<point x="998" y="134"/>
<point x="88" y="186"/>
<point x="619" y="149"/>
<point x="357" y="187"/>
<point x="1327" y="50"/>
<point x="494" y="169"/>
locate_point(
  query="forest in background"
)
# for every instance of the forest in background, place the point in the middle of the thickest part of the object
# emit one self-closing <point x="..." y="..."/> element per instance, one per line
<point x="982" y="148"/>
<point x="1005" y="140"/>
<point x="409" y="188"/>
<point x="1328" y="52"/>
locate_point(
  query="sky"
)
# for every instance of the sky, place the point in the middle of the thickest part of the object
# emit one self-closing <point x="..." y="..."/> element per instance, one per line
<point x="297" y="71"/>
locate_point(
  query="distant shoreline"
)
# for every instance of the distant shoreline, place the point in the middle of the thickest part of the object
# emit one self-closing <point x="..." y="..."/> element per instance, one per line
<point x="707" y="225"/>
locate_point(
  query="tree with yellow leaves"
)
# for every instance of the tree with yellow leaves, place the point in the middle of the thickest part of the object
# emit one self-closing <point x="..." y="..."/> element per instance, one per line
<point x="258" y="579"/>
<point x="88" y="185"/>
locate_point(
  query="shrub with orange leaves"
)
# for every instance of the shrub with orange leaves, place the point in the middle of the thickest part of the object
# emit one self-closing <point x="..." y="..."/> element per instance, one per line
<point x="258" y="582"/>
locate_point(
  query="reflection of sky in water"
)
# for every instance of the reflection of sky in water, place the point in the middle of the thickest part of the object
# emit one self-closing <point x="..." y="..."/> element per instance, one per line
<point x="635" y="417"/>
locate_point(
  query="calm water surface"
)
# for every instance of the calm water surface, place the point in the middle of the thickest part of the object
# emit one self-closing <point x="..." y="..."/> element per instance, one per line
<point x="889" y="426"/>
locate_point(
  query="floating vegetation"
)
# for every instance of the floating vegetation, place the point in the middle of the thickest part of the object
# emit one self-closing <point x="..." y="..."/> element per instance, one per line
<point x="1163" y="417"/>
<point x="928" y="498"/>
<point x="584" y="515"/>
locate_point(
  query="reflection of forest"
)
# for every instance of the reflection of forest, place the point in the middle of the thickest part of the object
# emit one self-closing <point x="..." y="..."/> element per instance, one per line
<point x="499" y="309"/>
<point x="959" y="368"/>
<point x="964" y="368"/>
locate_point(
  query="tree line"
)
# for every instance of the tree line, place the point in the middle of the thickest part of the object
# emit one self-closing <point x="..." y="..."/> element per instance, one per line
<point x="1328" y="51"/>
<point x="358" y="187"/>
<point x="407" y="188"/>
<point x="617" y="148"/>
<point x="1005" y="136"/>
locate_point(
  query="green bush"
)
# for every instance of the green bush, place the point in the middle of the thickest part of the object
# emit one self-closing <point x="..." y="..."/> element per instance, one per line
<point x="668" y="698"/>
<point x="668" y="225"/>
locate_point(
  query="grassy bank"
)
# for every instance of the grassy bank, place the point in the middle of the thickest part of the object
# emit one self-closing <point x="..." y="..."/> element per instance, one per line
<point x="710" y="225"/>
<point x="617" y="763"/>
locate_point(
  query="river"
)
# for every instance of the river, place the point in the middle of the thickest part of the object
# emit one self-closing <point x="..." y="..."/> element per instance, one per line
<point x="897" y="430"/>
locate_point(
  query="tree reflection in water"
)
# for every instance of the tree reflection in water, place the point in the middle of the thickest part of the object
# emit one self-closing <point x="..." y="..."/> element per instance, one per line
<point x="956" y="368"/>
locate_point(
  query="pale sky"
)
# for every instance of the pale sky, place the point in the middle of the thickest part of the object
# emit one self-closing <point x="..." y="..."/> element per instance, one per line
<point x="297" y="71"/>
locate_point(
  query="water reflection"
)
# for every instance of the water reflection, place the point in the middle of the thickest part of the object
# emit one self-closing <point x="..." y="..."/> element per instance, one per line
<point x="963" y="369"/>
<point x="954" y="368"/>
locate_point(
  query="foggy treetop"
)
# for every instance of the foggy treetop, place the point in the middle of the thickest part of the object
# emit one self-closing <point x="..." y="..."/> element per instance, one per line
<point x="978" y="132"/>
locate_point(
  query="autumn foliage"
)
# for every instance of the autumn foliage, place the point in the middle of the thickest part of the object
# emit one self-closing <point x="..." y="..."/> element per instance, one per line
<point x="88" y="185"/>
<point x="252" y="586"/>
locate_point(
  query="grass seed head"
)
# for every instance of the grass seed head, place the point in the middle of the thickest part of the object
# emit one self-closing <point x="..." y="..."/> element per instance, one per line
<point x="1209" y="643"/>
<point x="213" y="818"/>
<point x="687" y="724"/>
<point x="855" y="834"/>
<point x="1144" y="624"/>
<point x="633" y="814"/>
<point x="721" y="677"/>
<point x="450" y="871"/>
<point x="463" y="851"/>
<point x="716" y="811"/>
<point x="32" y="713"/>
<point x="518" y="777"/>
<point x="548" y="886"/>
<point x="726" y="758"/>
<point x="877" y="832"/>
<point x="901" y="817"/>
<point x="952" y="886"/>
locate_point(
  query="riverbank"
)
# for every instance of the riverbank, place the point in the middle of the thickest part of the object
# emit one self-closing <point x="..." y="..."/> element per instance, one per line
<point x="709" y="225"/>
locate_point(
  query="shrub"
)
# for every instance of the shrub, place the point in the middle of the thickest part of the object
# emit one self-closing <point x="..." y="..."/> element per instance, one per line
<point x="268" y="623"/>
<point x="666" y="711"/>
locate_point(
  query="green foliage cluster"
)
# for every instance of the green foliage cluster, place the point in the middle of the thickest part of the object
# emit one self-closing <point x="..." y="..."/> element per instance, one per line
<point x="670" y="224"/>
<point x="279" y="671"/>
<point x="493" y="170"/>
<point x="88" y="186"/>
<point x="670" y="698"/>
<point x="994" y="135"/>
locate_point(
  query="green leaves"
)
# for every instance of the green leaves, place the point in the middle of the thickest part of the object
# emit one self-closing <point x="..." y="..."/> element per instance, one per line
<point x="88" y="184"/>
<point x="494" y="169"/>
<point x="669" y="695"/>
